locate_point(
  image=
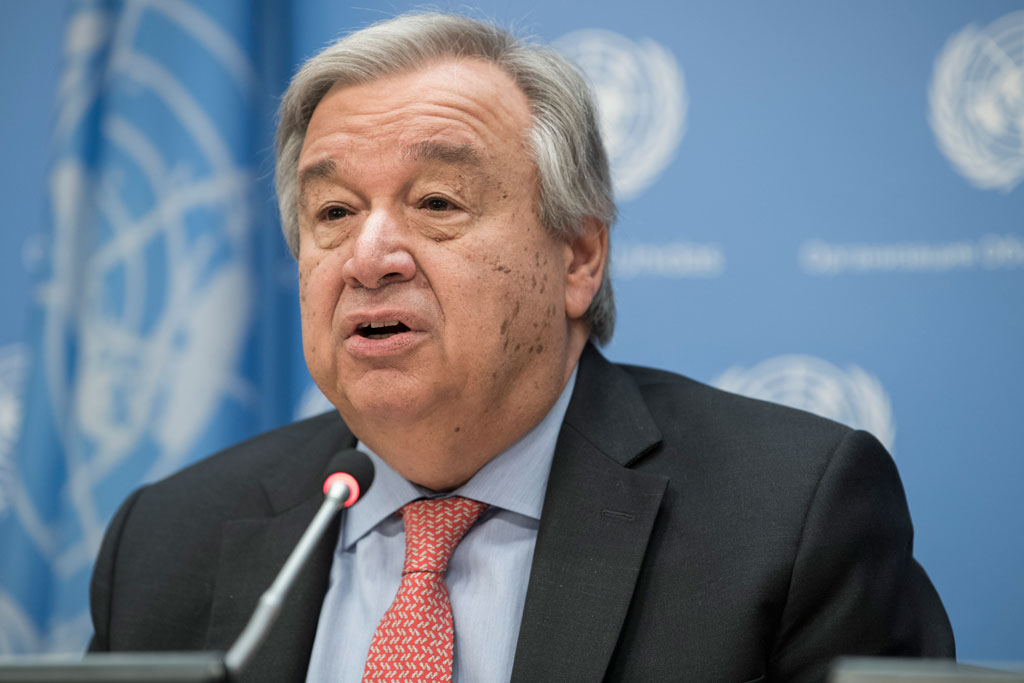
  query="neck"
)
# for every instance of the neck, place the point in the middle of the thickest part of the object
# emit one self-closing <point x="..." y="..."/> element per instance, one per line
<point x="443" y="451"/>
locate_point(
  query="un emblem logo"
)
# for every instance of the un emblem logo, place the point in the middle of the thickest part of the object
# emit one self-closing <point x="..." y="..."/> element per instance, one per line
<point x="977" y="102"/>
<point x="853" y="396"/>
<point x="641" y="101"/>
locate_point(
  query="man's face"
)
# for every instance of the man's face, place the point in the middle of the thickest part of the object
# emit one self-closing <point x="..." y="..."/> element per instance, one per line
<point x="433" y="300"/>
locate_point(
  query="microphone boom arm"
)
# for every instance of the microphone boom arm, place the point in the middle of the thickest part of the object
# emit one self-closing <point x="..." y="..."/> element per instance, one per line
<point x="270" y="602"/>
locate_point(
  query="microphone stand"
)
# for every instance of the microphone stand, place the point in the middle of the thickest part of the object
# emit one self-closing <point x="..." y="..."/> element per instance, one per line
<point x="269" y="606"/>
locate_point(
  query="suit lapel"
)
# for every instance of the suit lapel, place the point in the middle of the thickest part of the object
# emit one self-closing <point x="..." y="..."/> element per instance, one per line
<point x="253" y="551"/>
<point x="594" y="529"/>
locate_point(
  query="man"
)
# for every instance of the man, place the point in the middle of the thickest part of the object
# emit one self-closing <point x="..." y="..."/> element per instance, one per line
<point x="444" y="189"/>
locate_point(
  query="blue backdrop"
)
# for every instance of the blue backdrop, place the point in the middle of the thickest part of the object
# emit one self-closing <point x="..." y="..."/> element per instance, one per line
<point x="821" y="205"/>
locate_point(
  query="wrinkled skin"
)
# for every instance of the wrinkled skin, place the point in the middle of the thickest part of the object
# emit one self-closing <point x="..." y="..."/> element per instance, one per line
<point x="417" y="206"/>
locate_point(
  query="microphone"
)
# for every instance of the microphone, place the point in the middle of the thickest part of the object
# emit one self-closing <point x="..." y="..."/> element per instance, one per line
<point x="352" y="474"/>
<point x="352" y="469"/>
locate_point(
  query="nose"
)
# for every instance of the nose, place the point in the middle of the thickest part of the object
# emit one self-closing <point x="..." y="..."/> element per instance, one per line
<point x="380" y="256"/>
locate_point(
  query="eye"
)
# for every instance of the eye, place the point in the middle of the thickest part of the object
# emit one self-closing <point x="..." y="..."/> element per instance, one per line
<point x="438" y="204"/>
<point x="334" y="213"/>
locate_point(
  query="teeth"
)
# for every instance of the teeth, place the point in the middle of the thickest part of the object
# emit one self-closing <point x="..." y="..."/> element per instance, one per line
<point x="374" y="326"/>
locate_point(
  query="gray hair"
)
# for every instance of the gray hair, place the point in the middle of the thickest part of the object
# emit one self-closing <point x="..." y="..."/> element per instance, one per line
<point x="574" y="180"/>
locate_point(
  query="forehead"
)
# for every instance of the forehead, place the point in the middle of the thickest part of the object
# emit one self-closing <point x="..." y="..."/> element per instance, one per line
<point x="453" y="111"/>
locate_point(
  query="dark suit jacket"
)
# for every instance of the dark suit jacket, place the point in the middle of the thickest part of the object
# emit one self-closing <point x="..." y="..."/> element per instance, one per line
<point x="687" y="534"/>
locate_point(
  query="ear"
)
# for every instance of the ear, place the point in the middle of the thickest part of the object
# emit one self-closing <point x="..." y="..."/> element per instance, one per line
<point x="586" y="256"/>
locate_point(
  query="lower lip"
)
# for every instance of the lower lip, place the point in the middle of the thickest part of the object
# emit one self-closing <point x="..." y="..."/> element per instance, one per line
<point x="363" y="347"/>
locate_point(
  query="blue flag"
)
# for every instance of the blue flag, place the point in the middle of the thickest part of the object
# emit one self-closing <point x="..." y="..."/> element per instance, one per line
<point x="165" y="323"/>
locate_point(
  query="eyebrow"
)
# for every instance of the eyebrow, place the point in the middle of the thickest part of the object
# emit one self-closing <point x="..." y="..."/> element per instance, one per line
<point x="453" y="154"/>
<point x="445" y="152"/>
<point x="321" y="170"/>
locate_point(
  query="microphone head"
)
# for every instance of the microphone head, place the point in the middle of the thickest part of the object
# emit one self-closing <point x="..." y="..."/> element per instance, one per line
<point x="352" y="468"/>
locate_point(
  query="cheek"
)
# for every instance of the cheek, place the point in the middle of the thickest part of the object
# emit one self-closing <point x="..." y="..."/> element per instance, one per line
<point x="317" y="294"/>
<point x="308" y="314"/>
<point x="523" y="302"/>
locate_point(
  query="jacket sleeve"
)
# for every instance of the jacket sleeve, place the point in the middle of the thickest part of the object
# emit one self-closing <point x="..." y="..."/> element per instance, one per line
<point x="855" y="587"/>
<point x="101" y="589"/>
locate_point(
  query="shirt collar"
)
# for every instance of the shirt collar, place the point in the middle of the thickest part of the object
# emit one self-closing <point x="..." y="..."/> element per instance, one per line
<point x="514" y="480"/>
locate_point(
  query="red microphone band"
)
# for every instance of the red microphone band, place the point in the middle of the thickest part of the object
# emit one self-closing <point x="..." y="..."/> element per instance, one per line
<point x="346" y="479"/>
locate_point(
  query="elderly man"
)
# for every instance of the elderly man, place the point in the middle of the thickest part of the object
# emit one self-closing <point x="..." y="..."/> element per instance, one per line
<point x="444" y="189"/>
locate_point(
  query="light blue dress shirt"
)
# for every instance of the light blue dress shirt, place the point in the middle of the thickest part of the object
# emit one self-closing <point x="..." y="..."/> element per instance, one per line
<point x="487" y="574"/>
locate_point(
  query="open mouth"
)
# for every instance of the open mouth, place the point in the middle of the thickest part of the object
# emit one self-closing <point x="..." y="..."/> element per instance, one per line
<point x="381" y="330"/>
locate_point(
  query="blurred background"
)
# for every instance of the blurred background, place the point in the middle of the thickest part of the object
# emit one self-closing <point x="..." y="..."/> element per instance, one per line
<point x="821" y="205"/>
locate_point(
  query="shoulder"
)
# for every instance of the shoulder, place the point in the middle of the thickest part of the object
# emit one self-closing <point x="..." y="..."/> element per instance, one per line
<point x="239" y="481"/>
<point x="685" y="426"/>
<point x="693" y="413"/>
<point x="753" y="469"/>
<point x="734" y="456"/>
<point x="226" y="475"/>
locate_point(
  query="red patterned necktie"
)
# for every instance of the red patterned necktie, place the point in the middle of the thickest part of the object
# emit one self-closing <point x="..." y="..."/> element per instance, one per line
<point x="415" y="639"/>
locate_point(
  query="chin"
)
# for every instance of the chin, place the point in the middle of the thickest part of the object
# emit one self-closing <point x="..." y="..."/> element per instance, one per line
<point x="396" y="402"/>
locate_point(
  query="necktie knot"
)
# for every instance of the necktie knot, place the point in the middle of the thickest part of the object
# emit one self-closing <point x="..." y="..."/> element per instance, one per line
<point x="432" y="530"/>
